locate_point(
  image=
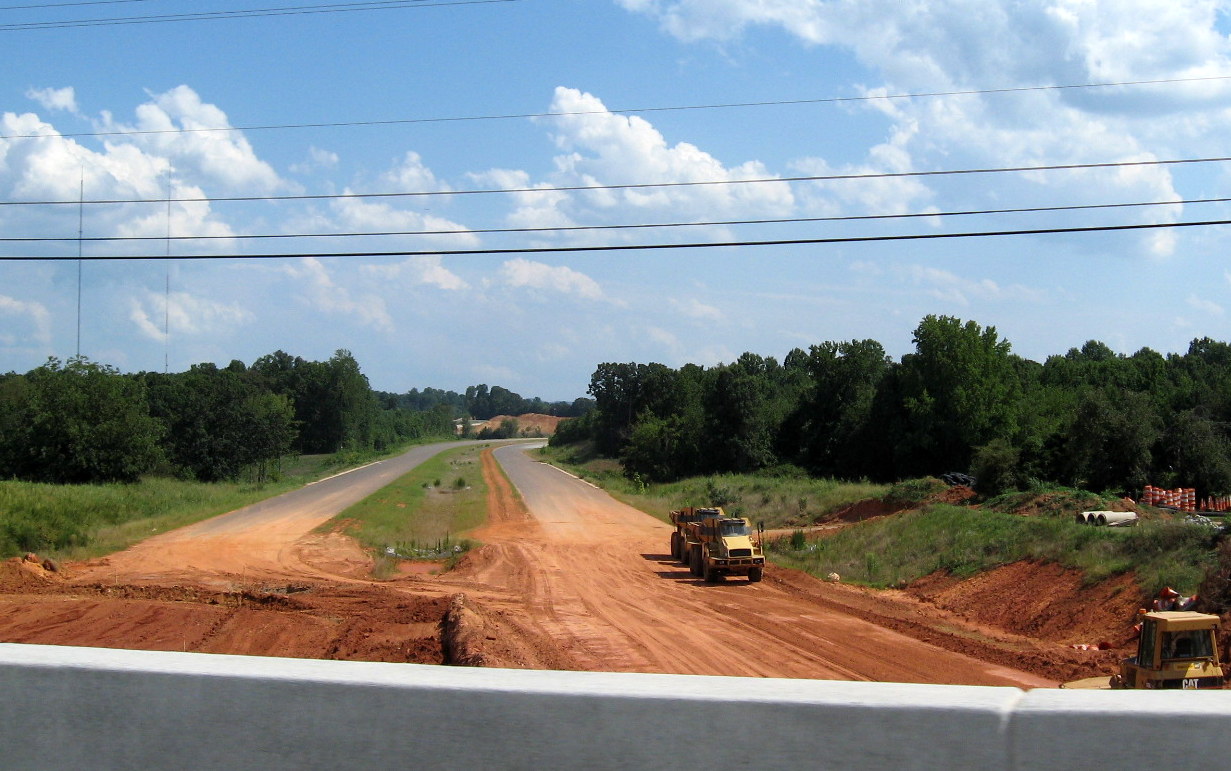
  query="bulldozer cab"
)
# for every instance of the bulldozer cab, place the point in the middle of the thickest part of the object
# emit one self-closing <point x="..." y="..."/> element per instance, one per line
<point x="1173" y="636"/>
<point x="1177" y="649"/>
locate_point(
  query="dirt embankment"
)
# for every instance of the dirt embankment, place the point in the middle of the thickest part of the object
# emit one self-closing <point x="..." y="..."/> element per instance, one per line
<point x="529" y="424"/>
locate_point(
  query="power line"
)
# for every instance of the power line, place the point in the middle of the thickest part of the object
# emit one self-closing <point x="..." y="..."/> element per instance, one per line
<point x="68" y="5"/>
<point x="373" y="5"/>
<point x="640" y="185"/>
<point x="637" y="226"/>
<point x="621" y="111"/>
<point x="637" y="247"/>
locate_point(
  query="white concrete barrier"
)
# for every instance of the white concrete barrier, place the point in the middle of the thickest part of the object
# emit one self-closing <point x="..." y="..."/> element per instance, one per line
<point x="94" y="708"/>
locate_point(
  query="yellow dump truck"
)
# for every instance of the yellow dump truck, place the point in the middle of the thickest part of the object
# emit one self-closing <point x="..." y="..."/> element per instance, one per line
<point x="1178" y="649"/>
<point x="723" y="546"/>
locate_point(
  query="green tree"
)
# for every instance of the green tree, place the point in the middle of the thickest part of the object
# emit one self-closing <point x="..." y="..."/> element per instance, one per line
<point x="1197" y="452"/>
<point x="622" y="393"/>
<point x="835" y="412"/>
<point x="1110" y="442"/>
<point x="221" y="423"/>
<point x="960" y="390"/>
<point x="77" y="422"/>
<point x="745" y="414"/>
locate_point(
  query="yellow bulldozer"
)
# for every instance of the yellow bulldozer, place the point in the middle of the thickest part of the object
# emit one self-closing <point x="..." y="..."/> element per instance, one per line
<point x="1177" y="649"/>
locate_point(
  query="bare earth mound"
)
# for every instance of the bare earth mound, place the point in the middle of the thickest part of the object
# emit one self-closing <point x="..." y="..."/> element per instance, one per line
<point x="530" y="424"/>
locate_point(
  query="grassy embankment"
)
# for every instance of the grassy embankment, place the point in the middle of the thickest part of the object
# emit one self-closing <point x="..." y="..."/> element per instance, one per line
<point x="72" y="522"/>
<point x="422" y="514"/>
<point x="927" y="537"/>
<point x="783" y="500"/>
<point x="964" y="541"/>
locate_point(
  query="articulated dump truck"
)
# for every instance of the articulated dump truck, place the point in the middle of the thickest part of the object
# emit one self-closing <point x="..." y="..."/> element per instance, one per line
<point x="713" y="544"/>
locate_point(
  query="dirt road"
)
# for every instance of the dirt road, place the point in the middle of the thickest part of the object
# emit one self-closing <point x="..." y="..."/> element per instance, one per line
<point x="571" y="580"/>
<point x="597" y="577"/>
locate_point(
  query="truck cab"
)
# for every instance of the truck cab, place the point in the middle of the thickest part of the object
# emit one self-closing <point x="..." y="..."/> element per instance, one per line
<point x="726" y="547"/>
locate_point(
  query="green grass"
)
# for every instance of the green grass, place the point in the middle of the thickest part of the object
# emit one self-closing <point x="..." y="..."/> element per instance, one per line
<point x="965" y="541"/>
<point x="1051" y="499"/>
<point x="423" y="514"/>
<point x="778" y="498"/>
<point x="84" y="521"/>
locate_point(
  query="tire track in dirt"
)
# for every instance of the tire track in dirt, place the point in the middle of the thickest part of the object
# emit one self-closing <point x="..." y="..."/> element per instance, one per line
<point x="592" y="574"/>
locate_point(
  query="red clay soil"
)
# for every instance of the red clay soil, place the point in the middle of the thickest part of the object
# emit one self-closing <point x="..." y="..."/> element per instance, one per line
<point x="529" y="424"/>
<point x="575" y="581"/>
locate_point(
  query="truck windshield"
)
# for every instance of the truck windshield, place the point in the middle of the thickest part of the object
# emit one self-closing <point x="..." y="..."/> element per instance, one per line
<point x="735" y="527"/>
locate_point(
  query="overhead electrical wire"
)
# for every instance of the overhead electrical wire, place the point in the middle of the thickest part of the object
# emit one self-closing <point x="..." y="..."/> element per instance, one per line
<point x="637" y="226"/>
<point x="632" y="186"/>
<point x="69" y="5"/>
<point x="628" y="247"/>
<point x="624" y="110"/>
<point x="301" y="10"/>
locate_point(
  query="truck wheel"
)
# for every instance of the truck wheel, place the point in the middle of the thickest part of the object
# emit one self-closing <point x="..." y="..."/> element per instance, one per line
<point x="754" y="574"/>
<point x="707" y="573"/>
<point x="675" y="545"/>
<point x="694" y="561"/>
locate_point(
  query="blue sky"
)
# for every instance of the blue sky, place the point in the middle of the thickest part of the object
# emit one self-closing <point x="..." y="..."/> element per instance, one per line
<point x="538" y="323"/>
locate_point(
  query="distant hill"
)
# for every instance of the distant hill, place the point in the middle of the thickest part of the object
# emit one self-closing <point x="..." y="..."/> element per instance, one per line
<point x="530" y="424"/>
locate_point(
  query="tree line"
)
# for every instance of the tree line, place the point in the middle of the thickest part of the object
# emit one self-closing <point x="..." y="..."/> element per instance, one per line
<point x="84" y="422"/>
<point x="483" y="403"/>
<point x="961" y="401"/>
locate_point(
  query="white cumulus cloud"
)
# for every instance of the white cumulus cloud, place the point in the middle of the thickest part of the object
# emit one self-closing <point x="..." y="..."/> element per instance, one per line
<point x="949" y="287"/>
<point x="55" y="98"/>
<point x="601" y="147"/>
<point x="196" y="135"/>
<point x="34" y="167"/>
<point x="33" y="314"/>
<point x="183" y="313"/>
<point x="1208" y="307"/>
<point x="324" y="294"/>
<point x="695" y="309"/>
<point x="523" y="273"/>
<point x="419" y="270"/>
<point x="603" y="150"/>
<point x="995" y="44"/>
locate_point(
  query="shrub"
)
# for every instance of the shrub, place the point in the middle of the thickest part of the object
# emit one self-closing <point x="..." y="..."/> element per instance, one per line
<point x="915" y="491"/>
<point x="995" y="465"/>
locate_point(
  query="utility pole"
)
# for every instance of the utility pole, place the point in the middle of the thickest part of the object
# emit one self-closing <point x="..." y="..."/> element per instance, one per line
<point x="166" y="301"/>
<point x="80" y="232"/>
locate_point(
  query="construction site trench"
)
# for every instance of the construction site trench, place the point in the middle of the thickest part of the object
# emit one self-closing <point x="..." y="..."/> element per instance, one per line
<point x="567" y="578"/>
